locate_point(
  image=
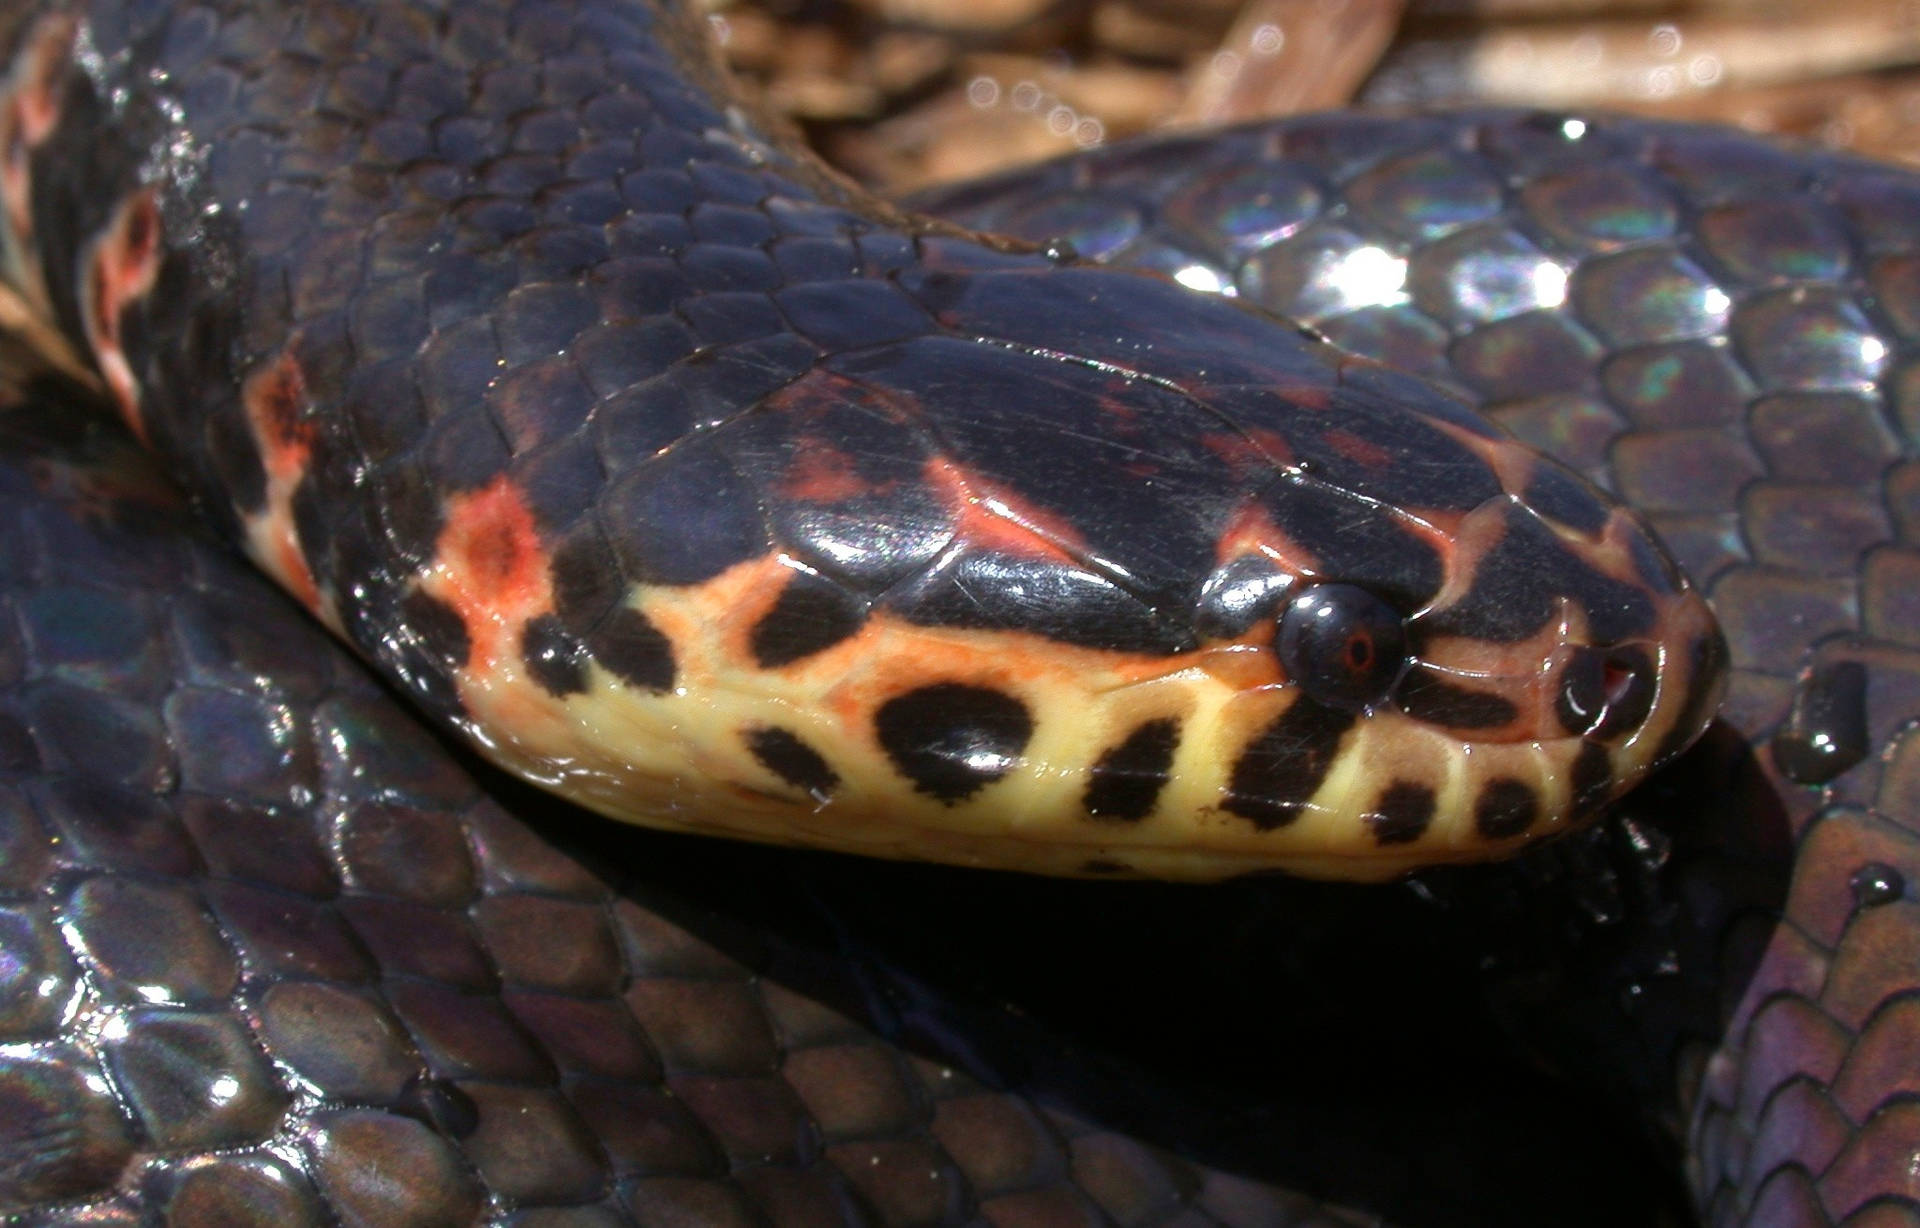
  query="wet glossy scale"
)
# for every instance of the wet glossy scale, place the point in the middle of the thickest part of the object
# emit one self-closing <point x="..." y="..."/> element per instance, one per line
<point x="500" y="1108"/>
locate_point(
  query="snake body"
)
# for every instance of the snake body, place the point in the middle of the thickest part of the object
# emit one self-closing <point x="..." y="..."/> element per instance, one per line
<point x="519" y="583"/>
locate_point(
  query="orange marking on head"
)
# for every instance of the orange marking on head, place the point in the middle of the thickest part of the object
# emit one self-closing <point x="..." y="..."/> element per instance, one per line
<point x="491" y="568"/>
<point x="41" y="64"/>
<point x="122" y="266"/>
<point x="819" y="472"/>
<point x="1250" y="530"/>
<point x="293" y="573"/>
<point x="1512" y="462"/>
<point x="1250" y="452"/>
<point x="275" y="397"/>
<point x="1244" y="664"/>
<point x="16" y="181"/>
<point x="992" y="519"/>
<point x="1308" y="395"/>
<point x="1354" y="448"/>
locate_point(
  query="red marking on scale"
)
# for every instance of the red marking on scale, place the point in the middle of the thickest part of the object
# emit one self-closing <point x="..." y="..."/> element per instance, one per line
<point x="122" y="265"/>
<point x="1251" y="530"/>
<point x="275" y="397"/>
<point x="1118" y="400"/>
<point x="991" y="519"/>
<point x="820" y="472"/>
<point x="1358" y="450"/>
<point x="41" y="65"/>
<point x="491" y="568"/>
<point x="1313" y="397"/>
<point x="1248" y="452"/>
<point x="16" y="181"/>
<point x="293" y="572"/>
<point x="30" y="113"/>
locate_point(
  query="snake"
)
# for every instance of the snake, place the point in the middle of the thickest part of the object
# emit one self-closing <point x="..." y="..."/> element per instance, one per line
<point x="666" y="470"/>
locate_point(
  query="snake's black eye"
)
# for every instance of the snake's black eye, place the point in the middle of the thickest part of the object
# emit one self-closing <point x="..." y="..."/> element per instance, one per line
<point x="1343" y="645"/>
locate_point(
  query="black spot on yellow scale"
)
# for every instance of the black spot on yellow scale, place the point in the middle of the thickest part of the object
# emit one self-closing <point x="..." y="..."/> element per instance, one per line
<point x="951" y="739"/>
<point x="1099" y="865"/>
<point x="1281" y="769"/>
<point x="1126" y="781"/>
<point x="434" y="645"/>
<point x="812" y="613"/>
<point x="1402" y="815"/>
<point x="638" y="653"/>
<point x="1506" y="807"/>
<point x="786" y="756"/>
<point x="555" y="659"/>
<point x="587" y="592"/>
<point x="1426" y="696"/>
<point x="1591" y="776"/>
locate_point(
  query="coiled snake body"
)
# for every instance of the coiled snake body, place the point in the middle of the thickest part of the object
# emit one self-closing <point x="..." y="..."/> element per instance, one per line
<point x="674" y="475"/>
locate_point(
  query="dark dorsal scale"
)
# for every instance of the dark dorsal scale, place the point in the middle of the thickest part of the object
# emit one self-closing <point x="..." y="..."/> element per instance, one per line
<point x="952" y="740"/>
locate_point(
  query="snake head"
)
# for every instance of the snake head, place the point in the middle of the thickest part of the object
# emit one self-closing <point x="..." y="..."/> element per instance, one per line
<point x="1447" y="646"/>
<point x="985" y="578"/>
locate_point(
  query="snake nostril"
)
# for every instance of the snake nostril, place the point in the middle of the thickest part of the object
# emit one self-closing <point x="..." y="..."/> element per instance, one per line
<point x="1605" y="691"/>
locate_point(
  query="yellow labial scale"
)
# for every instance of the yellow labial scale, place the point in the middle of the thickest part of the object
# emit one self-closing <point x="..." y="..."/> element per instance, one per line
<point x="681" y="760"/>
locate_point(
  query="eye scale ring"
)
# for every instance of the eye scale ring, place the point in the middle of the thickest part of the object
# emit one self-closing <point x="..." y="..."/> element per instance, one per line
<point x="1343" y="646"/>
